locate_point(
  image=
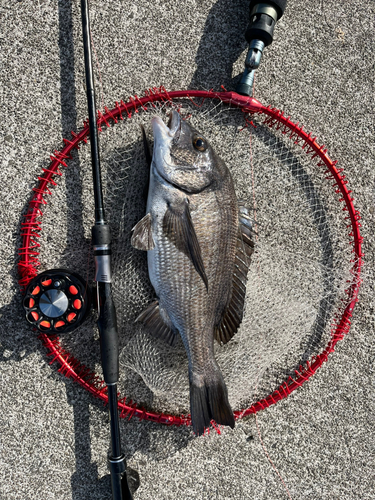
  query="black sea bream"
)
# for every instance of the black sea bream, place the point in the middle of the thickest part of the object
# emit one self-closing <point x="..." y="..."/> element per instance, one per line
<point x="199" y="243"/>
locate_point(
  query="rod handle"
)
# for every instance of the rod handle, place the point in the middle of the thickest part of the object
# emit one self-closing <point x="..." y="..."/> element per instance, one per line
<point x="279" y="5"/>
<point x="263" y="17"/>
<point x="107" y="325"/>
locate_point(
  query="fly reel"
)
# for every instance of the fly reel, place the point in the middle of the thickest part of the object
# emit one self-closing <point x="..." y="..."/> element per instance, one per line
<point x="57" y="301"/>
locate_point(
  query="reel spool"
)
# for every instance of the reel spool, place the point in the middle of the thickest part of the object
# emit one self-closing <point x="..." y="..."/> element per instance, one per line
<point x="57" y="301"/>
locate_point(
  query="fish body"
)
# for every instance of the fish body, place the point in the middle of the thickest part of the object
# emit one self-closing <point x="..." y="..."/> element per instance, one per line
<point x="192" y="232"/>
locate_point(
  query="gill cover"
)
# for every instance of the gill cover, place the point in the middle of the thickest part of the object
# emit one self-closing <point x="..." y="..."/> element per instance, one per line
<point x="182" y="156"/>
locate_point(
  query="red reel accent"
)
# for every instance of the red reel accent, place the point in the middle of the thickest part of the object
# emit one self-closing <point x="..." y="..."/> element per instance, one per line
<point x="71" y="317"/>
<point x="77" y="304"/>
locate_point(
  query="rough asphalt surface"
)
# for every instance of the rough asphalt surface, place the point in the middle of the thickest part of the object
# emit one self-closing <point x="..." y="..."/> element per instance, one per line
<point x="320" y="70"/>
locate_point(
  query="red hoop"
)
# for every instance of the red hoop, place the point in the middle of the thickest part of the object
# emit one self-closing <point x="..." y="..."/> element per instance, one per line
<point x="274" y="118"/>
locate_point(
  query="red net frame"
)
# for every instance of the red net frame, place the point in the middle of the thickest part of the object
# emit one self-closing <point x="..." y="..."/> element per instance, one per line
<point x="274" y="118"/>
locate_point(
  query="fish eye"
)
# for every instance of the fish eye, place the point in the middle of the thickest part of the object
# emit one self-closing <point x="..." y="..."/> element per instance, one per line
<point x="199" y="143"/>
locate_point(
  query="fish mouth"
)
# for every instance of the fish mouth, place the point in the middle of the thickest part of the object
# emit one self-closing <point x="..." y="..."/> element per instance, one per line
<point x="171" y="130"/>
<point x="174" y="123"/>
<point x="164" y="136"/>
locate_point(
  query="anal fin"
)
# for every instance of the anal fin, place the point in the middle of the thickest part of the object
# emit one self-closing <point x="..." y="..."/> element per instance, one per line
<point x="155" y="325"/>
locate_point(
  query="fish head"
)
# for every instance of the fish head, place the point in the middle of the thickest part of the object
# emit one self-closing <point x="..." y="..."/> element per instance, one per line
<point x="182" y="156"/>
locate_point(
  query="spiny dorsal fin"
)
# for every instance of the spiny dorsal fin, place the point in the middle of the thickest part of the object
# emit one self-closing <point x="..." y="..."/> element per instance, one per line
<point x="146" y="146"/>
<point x="155" y="324"/>
<point x="148" y="155"/>
<point x="233" y="314"/>
<point x="142" y="235"/>
<point x="178" y="227"/>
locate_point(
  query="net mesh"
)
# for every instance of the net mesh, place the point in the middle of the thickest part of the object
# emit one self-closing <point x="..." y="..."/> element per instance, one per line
<point x="297" y="279"/>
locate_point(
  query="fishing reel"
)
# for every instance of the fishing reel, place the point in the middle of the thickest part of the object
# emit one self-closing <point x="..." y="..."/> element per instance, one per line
<point x="57" y="301"/>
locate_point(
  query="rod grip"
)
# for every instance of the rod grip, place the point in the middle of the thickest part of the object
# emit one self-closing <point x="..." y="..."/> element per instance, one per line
<point x="263" y="17"/>
<point x="101" y="234"/>
<point x="107" y="325"/>
<point x="279" y="5"/>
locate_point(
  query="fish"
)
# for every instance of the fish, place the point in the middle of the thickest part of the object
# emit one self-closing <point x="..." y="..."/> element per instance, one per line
<point x="199" y="242"/>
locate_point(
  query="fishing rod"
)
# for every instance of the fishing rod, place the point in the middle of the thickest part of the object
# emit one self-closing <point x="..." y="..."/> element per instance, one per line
<point x="59" y="300"/>
<point x="107" y="322"/>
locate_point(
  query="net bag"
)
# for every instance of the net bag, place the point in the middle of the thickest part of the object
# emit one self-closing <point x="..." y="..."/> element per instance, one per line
<point x="304" y="277"/>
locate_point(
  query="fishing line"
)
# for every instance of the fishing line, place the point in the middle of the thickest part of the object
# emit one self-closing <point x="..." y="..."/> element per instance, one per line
<point x="269" y="458"/>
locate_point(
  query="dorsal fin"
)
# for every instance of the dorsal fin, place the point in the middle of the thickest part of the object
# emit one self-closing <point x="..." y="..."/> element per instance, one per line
<point x="146" y="146"/>
<point x="233" y="314"/>
<point x="148" y="155"/>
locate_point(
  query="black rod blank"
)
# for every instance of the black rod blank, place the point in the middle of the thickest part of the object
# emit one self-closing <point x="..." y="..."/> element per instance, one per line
<point x="102" y="251"/>
<point x="94" y="142"/>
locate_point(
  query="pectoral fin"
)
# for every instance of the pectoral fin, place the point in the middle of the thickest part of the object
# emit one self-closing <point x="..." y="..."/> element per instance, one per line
<point x="155" y="325"/>
<point x="142" y="235"/>
<point x="178" y="227"/>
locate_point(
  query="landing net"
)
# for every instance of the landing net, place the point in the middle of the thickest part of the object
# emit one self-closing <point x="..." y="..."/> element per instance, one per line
<point x="304" y="276"/>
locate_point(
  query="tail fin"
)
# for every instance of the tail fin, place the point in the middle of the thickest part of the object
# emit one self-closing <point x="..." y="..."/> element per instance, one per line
<point x="210" y="401"/>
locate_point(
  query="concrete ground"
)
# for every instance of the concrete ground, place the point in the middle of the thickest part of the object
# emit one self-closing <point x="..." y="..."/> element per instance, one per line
<point x="320" y="70"/>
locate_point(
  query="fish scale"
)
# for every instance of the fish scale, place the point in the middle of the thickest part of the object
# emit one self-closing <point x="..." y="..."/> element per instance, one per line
<point x="192" y="233"/>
